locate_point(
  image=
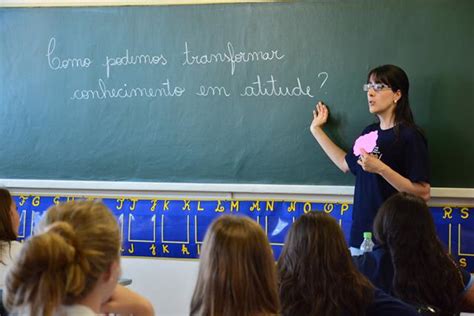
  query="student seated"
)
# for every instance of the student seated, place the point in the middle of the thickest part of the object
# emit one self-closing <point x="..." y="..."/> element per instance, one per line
<point x="237" y="274"/>
<point x="9" y="222"/>
<point x="9" y="247"/>
<point x="410" y="261"/>
<point x="71" y="266"/>
<point x="318" y="277"/>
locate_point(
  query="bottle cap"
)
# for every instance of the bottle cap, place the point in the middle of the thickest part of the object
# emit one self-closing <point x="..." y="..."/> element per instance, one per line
<point x="368" y="235"/>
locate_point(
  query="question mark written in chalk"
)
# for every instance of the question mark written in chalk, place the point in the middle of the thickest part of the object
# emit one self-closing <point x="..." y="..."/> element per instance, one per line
<point x="325" y="75"/>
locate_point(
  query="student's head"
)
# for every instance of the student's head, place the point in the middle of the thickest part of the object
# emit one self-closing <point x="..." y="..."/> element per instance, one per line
<point x="404" y="219"/>
<point x="237" y="274"/>
<point x="423" y="272"/>
<point x="317" y="275"/>
<point x="73" y="255"/>
<point x="9" y="219"/>
<point x="395" y="96"/>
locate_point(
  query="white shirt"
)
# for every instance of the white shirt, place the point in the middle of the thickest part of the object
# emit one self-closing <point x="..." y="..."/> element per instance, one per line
<point x="74" y="310"/>
<point x="9" y="254"/>
<point x="64" y="310"/>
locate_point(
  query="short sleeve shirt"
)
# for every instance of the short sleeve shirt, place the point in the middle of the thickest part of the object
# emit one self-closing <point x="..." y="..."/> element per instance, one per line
<point x="406" y="152"/>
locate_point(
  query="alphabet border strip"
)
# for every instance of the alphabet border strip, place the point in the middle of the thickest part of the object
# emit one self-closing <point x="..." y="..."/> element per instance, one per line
<point x="161" y="228"/>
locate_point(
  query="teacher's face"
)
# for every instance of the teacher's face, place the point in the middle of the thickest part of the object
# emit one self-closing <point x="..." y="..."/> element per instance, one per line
<point x="382" y="101"/>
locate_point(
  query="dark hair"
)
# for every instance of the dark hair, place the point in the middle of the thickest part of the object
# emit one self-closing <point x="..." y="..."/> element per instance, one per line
<point x="237" y="273"/>
<point x="7" y="231"/>
<point x="423" y="272"/>
<point x="396" y="79"/>
<point x="317" y="274"/>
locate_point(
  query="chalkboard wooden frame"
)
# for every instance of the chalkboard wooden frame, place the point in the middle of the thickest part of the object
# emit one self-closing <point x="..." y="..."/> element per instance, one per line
<point x="102" y="3"/>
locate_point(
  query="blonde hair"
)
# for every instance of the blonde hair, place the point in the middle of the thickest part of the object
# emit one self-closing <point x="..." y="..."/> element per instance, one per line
<point x="75" y="244"/>
<point x="237" y="272"/>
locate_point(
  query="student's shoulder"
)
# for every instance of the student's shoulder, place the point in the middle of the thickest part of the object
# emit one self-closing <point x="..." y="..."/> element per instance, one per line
<point x="366" y="261"/>
<point x="16" y="244"/>
<point x="11" y="249"/>
<point x="374" y="264"/>
<point x="15" y="248"/>
<point x="75" y="310"/>
<point x="384" y="304"/>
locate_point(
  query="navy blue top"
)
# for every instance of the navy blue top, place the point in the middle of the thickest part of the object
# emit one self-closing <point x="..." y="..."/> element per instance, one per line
<point x="406" y="154"/>
<point x="385" y="305"/>
<point x="377" y="267"/>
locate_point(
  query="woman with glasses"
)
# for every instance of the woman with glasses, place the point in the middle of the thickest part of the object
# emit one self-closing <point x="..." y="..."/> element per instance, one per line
<point x="389" y="156"/>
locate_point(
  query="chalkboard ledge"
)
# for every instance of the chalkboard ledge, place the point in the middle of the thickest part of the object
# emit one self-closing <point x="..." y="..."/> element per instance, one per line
<point x="212" y="190"/>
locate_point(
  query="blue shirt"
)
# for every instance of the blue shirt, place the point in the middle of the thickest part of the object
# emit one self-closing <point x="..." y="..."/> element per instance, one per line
<point x="386" y="305"/>
<point x="406" y="154"/>
<point x="377" y="267"/>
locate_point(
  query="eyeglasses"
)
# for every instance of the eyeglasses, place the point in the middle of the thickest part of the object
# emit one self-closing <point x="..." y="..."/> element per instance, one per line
<point x="376" y="86"/>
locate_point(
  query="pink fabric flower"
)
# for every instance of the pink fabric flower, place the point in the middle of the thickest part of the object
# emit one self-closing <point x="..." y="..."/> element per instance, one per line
<point x="366" y="142"/>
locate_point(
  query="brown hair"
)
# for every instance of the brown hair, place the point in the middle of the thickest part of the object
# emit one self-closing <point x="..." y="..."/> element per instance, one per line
<point x="237" y="273"/>
<point x="404" y="225"/>
<point x="7" y="231"/>
<point x="75" y="244"/>
<point x="317" y="274"/>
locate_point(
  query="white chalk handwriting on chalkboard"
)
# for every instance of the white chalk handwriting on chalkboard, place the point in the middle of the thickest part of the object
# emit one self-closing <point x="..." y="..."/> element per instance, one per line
<point x="127" y="59"/>
<point x="229" y="56"/>
<point x="126" y="92"/>
<point x="264" y="85"/>
<point x="56" y="63"/>
<point x="271" y="88"/>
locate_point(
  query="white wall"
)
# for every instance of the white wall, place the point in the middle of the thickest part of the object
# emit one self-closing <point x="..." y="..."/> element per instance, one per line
<point x="168" y="284"/>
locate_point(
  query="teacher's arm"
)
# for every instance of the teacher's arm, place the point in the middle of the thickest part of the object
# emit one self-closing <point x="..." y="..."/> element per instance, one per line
<point x="334" y="152"/>
<point x="372" y="164"/>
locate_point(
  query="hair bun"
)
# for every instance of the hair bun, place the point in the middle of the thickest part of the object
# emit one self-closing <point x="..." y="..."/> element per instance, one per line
<point x="51" y="253"/>
<point x="64" y="230"/>
<point x="75" y="264"/>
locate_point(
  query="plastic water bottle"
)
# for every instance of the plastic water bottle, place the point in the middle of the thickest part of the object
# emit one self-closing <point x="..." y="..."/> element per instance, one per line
<point x="367" y="245"/>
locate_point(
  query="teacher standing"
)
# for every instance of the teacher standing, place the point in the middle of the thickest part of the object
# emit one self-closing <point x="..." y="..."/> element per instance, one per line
<point x="389" y="156"/>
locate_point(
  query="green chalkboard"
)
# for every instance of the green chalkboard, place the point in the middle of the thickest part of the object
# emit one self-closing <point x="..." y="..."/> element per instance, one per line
<point x="224" y="93"/>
